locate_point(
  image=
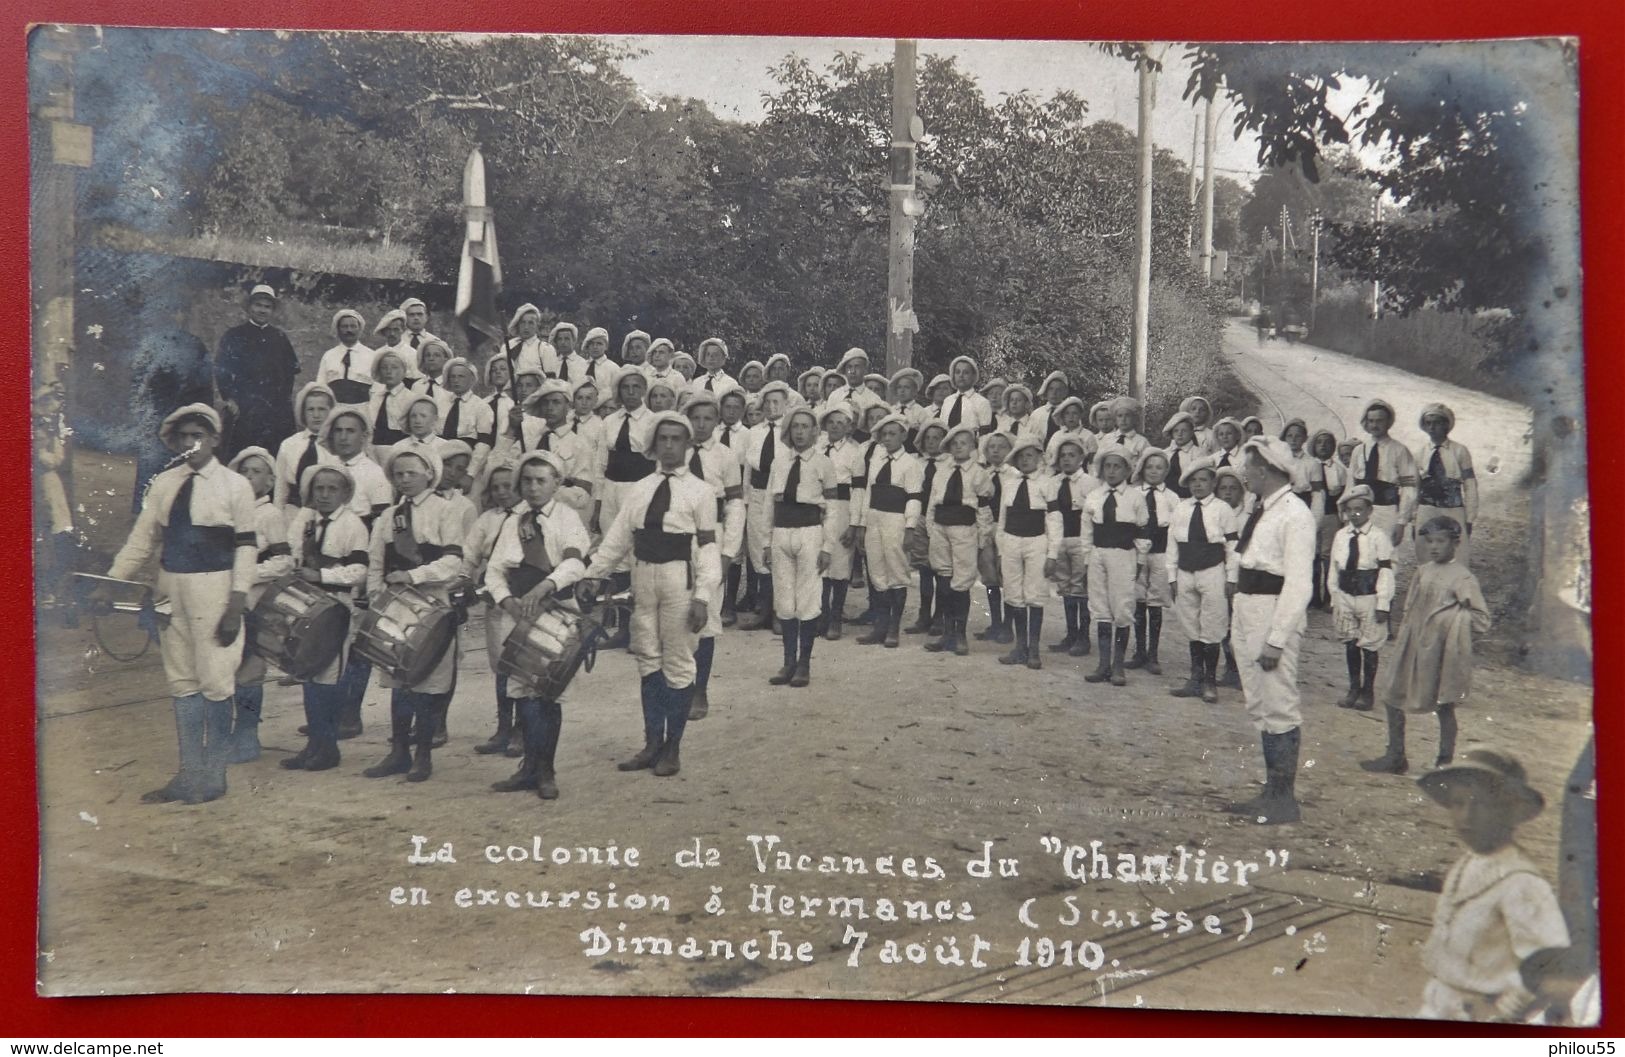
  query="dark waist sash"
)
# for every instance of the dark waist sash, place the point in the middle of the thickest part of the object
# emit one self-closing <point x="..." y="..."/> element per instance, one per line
<point x="1194" y="557"/>
<point x="758" y="478"/>
<point x="1258" y="582"/>
<point x="1118" y="535"/>
<point x="525" y="577"/>
<point x="396" y="562"/>
<point x="1159" y="540"/>
<point x="1357" y="581"/>
<point x="350" y="391"/>
<point x="1307" y="497"/>
<point x="1383" y="493"/>
<point x="627" y="466"/>
<point x="328" y="561"/>
<point x="387" y="434"/>
<point x="1024" y="523"/>
<point x="843" y="491"/>
<point x="656" y="547"/>
<point x="797" y="515"/>
<point x="1071" y="523"/>
<point x="889" y="498"/>
<point x="955" y="515"/>
<point x="1445" y="493"/>
<point x="199" y="548"/>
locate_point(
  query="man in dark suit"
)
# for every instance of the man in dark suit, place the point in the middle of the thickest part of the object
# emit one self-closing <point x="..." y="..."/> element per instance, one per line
<point x="254" y="371"/>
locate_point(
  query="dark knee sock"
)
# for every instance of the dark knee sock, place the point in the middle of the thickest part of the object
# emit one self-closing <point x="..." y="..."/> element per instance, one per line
<point x="792" y="640"/>
<point x="1070" y="605"/>
<point x="1396" y="732"/>
<point x="1153" y="616"/>
<point x="928" y="590"/>
<point x="808" y="635"/>
<point x="995" y="607"/>
<point x="1351" y="654"/>
<point x="837" y="600"/>
<point x="734" y="572"/>
<point x="1018" y="617"/>
<point x="1210" y="660"/>
<point x="704" y="654"/>
<point x="1447" y="733"/>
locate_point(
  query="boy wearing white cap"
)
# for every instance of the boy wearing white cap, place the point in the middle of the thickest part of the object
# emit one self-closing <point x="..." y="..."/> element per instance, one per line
<point x="1018" y="409"/>
<point x="802" y="487"/>
<point x="1126" y="420"/>
<point x="538" y="553"/>
<point x="1070" y="417"/>
<point x="330" y="552"/>
<point x="965" y="406"/>
<point x="1151" y="587"/>
<point x="560" y="346"/>
<point x="905" y="390"/>
<point x="199" y="517"/>
<point x="761" y="449"/>
<point x="852" y="368"/>
<point x="417" y="322"/>
<point x="1447" y="485"/>
<point x="1362" y="566"/>
<point x="1272" y="590"/>
<point x="391" y="328"/>
<point x="959" y="520"/>
<point x="847" y="458"/>
<point x="886" y="516"/>
<point x="498" y="494"/>
<point x="418" y="542"/>
<point x="1183" y="450"/>
<point x="1029" y="540"/>
<point x="1044" y="422"/>
<point x="1387" y="467"/>
<point x="713" y="378"/>
<point x="933" y="458"/>
<point x="577" y="366"/>
<point x="1201" y="412"/>
<point x="1227" y="441"/>
<point x="667" y="525"/>
<point x="465" y="416"/>
<point x="1116" y="517"/>
<point x="256" y="466"/>
<point x="387" y="407"/>
<point x="1202" y="537"/>
<point x="1071" y="486"/>
<point x="303" y="449"/>
<point x="658" y="368"/>
<point x="718" y="466"/>
<point x="346" y="368"/>
<point x="600" y="370"/>
<point x="635" y="348"/>
<point x="524" y="346"/>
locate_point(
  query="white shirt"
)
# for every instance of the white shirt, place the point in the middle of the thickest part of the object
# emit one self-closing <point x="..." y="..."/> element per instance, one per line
<point x="1283" y="543"/>
<point x="292" y="449"/>
<point x="974" y="410"/>
<point x="564" y="539"/>
<point x="693" y="511"/>
<point x="332" y="368"/>
<point x="219" y="498"/>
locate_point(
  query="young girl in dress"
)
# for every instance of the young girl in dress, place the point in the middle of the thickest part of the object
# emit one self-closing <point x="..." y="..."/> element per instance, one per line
<point x="1432" y="659"/>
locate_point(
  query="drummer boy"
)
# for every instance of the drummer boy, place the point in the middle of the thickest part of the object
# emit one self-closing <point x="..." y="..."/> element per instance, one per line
<point x="257" y="466"/>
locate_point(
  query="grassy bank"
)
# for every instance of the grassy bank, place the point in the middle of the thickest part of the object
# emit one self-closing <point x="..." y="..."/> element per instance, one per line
<point x="1451" y="346"/>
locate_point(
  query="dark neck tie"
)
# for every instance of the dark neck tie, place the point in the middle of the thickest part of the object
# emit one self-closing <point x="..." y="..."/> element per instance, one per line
<point x="452" y="420"/>
<point x="180" y="511"/>
<point x="306" y="460"/>
<point x="406" y="544"/>
<point x="1122" y="438"/>
<point x="1353" y="564"/>
<point x="1198" y="531"/>
<point x="1371" y="453"/>
<point x="654" y="519"/>
<point x="1151" y="509"/>
<point x="792" y="481"/>
<point x="534" y="542"/>
<point x="768" y="446"/>
<point x="954" y="493"/>
<point x="1023" y="498"/>
<point x="708" y="386"/>
<point x="415" y="340"/>
<point x="1064" y="496"/>
<point x="727" y="436"/>
<point x="346" y="361"/>
<point x="381" y="425"/>
<point x="1247" y="529"/>
<point x="1108" y="513"/>
<point x="884" y="476"/>
<point x="953" y="416"/>
<point x="496" y="398"/>
<point x="695" y="466"/>
<point x="1224" y="460"/>
<point x="547" y="441"/>
<point x="428" y="388"/>
<point x="828" y="449"/>
<point x="321" y="537"/>
<point x="1053" y="427"/>
<point x="1436" y="470"/>
<point x="623" y="440"/>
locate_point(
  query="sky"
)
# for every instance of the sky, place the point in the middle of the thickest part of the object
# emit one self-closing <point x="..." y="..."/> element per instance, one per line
<point x="730" y="74"/>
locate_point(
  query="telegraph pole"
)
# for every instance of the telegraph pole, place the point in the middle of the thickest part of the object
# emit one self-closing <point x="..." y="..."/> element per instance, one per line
<point x="1210" y="122"/>
<point x="1316" y="221"/>
<point x="901" y="322"/>
<point x="1142" y="239"/>
<point x="1190" y="226"/>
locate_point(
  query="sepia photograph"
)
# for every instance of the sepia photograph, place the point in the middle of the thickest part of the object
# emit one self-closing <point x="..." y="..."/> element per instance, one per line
<point x="1028" y="522"/>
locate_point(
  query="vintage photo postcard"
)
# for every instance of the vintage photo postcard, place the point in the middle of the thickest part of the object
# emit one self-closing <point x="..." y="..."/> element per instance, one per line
<point x="945" y="520"/>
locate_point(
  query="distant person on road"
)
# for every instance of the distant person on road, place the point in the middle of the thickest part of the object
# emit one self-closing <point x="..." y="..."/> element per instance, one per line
<point x="1447" y="486"/>
<point x="254" y="369"/>
<point x="1496" y="910"/>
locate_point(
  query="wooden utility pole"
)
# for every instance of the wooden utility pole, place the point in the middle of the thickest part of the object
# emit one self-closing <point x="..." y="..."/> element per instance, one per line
<point x="1142" y="238"/>
<point x="1210" y="121"/>
<point x="1190" y="228"/>
<point x="901" y="323"/>
<point x="1316" y="221"/>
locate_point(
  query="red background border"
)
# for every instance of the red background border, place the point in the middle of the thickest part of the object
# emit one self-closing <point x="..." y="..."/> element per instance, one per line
<point x="1602" y="77"/>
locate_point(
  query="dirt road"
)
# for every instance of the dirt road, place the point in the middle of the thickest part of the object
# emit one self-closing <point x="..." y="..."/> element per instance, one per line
<point x="290" y="883"/>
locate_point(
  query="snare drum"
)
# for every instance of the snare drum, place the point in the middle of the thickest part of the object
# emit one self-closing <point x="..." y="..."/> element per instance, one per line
<point x="406" y="633"/>
<point x="297" y="626"/>
<point x="545" y="653"/>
